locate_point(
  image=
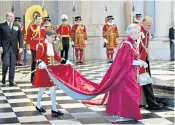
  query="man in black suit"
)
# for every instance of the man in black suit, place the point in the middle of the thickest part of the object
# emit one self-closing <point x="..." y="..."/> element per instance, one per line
<point x="10" y="35"/>
<point x="172" y="42"/>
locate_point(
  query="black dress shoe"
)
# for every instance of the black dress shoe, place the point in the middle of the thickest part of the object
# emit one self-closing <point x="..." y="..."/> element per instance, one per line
<point x="20" y="64"/>
<point x="57" y="113"/>
<point x="81" y="62"/>
<point x="11" y="83"/>
<point x="110" y="61"/>
<point x="41" y="109"/>
<point x="3" y="81"/>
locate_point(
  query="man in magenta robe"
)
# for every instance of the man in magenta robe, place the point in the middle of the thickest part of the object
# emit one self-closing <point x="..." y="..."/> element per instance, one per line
<point x="124" y="99"/>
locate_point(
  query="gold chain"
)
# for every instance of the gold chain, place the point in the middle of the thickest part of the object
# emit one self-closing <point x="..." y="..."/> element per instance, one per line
<point x="144" y="46"/>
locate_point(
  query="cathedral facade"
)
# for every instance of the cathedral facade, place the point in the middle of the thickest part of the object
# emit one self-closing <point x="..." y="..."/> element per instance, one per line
<point x="93" y="15"/>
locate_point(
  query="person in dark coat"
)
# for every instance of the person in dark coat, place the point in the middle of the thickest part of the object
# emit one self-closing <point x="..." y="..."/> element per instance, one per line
<point x="10" y="35"/>
<point x="172" y="42"/>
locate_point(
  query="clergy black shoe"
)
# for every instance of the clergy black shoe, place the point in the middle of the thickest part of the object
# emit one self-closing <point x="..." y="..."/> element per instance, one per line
<point x="142" y="106"/>
<point x="11" y="83"/>
<point x="40" y="109"/>
<point x="155" y="106"/>
<point x="57" y="113"/>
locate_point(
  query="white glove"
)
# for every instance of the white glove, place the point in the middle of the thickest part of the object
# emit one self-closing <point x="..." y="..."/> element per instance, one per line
<point x="105" y="40"/>
<point x="145" y="65"/>
<point x="55" y="42"/>
<point x="150" y="37"/>
<point x="69" y="62"/>
<point x="137" y="63"/>
<point x="58" y="39"/>
<point x="1" y="50"/>
<point x="42" y="65"/>
<point x="24" y="42"/>
<point x="72" y="43"/>
<point x="29" y="52"/>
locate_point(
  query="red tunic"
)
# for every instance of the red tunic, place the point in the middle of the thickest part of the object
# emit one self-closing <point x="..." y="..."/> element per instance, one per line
<point x="143" y="48"/>
<point x="79" y="36"/>
<point x="41" y="78"/>
<point x="64" y="30"/>
<point x="110" y="33"/>
<point x="35" y="35"/>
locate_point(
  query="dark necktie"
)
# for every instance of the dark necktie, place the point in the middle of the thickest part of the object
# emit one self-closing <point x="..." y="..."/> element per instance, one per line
<point x="10" y="26"/>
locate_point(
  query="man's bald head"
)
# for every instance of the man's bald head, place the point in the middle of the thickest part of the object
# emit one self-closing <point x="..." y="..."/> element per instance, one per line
<point x="10" y="17"/>
<point x="147" y="23"/>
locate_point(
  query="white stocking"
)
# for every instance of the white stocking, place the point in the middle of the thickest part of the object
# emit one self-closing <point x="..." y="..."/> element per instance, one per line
<point x="40" y="94"/>
<point x="53" y="98"/>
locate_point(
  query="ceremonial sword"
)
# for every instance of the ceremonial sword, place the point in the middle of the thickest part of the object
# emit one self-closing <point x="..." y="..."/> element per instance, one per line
<point x="28" y="74"/>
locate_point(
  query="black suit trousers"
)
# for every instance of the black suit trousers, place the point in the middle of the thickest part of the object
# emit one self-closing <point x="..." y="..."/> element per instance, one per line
<point x="9" y="61"/>
<point x="33" y="66"/>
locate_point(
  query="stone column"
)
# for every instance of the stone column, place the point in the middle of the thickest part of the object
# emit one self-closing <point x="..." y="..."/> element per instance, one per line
<point x="5" y="6"/>
<point x="139" y="7"/>
<point x="160" y="50"/>
<point x="173" y="12"/>
<point x="162" y="19"/>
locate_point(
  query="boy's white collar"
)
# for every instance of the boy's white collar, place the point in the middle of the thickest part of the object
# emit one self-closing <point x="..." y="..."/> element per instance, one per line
<point x="110" y="23"/>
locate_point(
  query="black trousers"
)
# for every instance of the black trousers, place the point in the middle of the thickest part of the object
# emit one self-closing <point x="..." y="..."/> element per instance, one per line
<point x="9" y="61"/>
<point x="33" y="66"/>
<point x="171" y="51"/>
<point x="148" y="89"/>
<point x="65" y="41"/>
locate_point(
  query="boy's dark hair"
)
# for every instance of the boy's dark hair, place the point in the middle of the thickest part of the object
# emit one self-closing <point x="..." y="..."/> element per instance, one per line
<point x="50" y="32"/>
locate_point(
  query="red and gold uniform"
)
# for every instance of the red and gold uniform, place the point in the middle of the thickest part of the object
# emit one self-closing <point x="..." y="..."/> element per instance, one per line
<point x="18" y="21"/>
<point x="79" y="37"/>
<point x="49" y="27"/>
<point x="136" y="22"/>
<point x="110" y="33"/>
<point x="137" y="19"/>
<point x="64" y="31"/>
<point x="41" y="78"/>
<point x="23" y="31"/>
<point x="47" y="23"/>
<point x="35" y="35"/>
